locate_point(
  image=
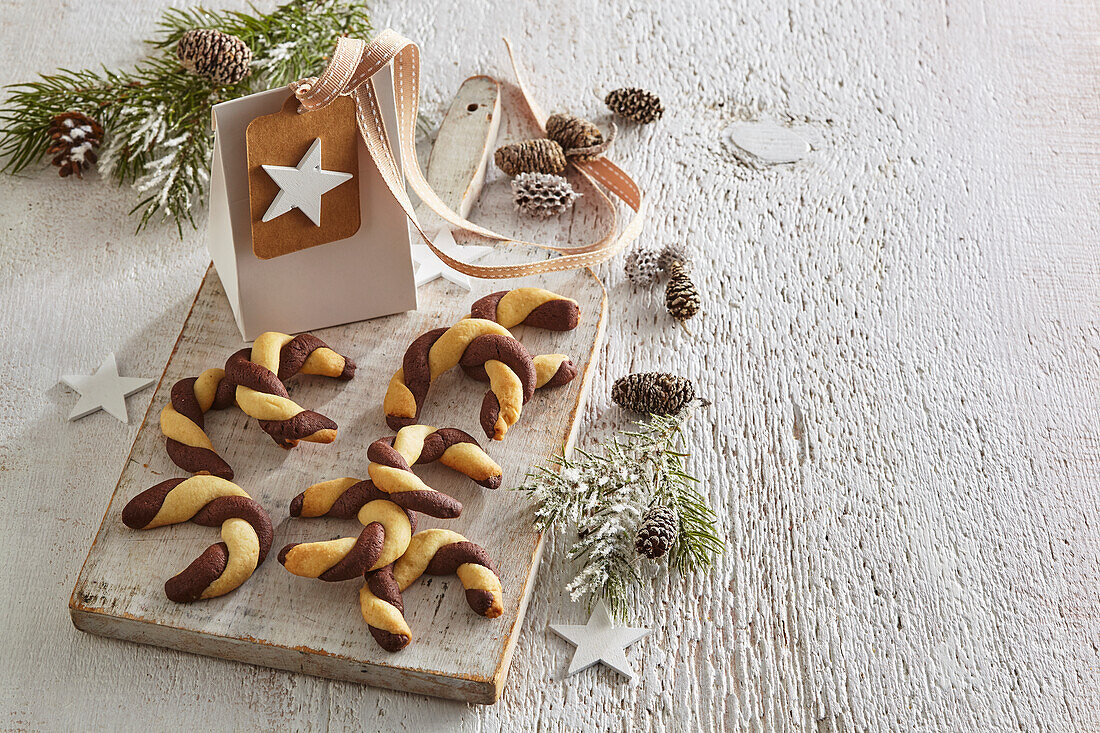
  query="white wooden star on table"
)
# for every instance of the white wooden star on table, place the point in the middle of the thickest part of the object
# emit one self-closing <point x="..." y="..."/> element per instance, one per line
<point x="429" y="267"/>
<point x="600" y="641"/>
<point x="303" y="186"/>
<point x="104" y="390"/>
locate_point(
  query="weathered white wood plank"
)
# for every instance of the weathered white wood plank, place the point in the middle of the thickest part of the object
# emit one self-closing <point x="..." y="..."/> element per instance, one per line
<point x="279" y="620"/>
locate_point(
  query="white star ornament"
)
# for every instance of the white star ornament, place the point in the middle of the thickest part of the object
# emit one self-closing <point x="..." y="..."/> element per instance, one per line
<point x="302" y="186"/>
<point x="600" y="641"/>
<point x="429" y="267"/>
<point x="104" y="390"/>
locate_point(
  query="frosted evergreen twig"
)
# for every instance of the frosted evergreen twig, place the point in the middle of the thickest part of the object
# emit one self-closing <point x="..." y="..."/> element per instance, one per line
<point x="156" y="117"/>
<point x="603" y="494"/>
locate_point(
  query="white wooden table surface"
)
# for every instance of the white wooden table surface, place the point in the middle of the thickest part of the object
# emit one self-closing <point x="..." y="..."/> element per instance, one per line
<point x="901" y="346"/>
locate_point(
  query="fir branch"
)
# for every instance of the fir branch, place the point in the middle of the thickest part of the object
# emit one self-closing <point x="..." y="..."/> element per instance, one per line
<point x="604" y="494"/>
<point x="157" y="116"/>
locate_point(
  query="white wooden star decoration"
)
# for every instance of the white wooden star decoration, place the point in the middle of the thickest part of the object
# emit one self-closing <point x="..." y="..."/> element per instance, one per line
<point x="429" y="267"/>
<point x="302" y="186"/>
<point x="600" y="641"/>
<point x="104" y="390"/>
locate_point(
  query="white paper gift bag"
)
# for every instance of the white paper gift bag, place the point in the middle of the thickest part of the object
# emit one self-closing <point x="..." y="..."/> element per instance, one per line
<point x="321" y="240"/>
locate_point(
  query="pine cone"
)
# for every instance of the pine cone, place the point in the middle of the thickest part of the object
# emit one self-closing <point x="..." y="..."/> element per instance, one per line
<point x="659" y="393"/>
<point x="74" y="139"/>
<point x="642" y="267"/>
<point x="635" y="104"/>
<point x="540" y="155"/>
<point x="657" y="532"/>
<point x="541" y="194"/>
<point x="681" y="296"/>
<point x="217" y="56"/>
<point x="673" y="253"/>
<point x="580" y="139"/>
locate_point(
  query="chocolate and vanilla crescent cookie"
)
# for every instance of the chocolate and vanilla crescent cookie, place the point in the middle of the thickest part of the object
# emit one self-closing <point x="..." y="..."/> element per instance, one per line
<point x="210" y="501"/>
<point x="259" y="373"/>
<point x="472" y="342"/>
<point x="528" y="306"/>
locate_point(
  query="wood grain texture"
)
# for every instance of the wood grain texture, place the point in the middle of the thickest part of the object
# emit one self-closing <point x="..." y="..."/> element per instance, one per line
<point x="900" y="341"/>
<point x="279" y="620"/>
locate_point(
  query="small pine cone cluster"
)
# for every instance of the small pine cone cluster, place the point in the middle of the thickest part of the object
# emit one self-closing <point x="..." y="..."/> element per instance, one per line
<point x="658" y="393"/>
<point x="569" y="139"/>
<point x="542" y="195"/>
<point x="216" y="56"/>
<point x="681" y="295"/>
<point x="580" y="139"/>
<point x="645" y="266"/>
<point x="541" y="155"/>
<point x="635" y="104"/>
<point x="74" y="139"/>
<point x="572" y="132"/>
<point x="657" y="532"/>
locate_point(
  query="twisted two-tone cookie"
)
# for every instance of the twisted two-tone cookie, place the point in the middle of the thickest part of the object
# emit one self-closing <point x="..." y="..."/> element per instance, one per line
<point x="471" y="342"/>
<point x="537" y="308"/>
<point x="387" y="529"/>
<point x="209" y="501"/>
<point x="259" y="372"/>
<point x="183" y="424"/>
<point x="528" y="306"/>
<point x="392" y="457"/>
<point x="437" y="552"/>
<point x="443" y="552"/>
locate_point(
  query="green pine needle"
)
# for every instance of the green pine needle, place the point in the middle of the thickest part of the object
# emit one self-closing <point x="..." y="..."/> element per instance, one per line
<point x="604" y="494"/>
<point x="156" y="117"/>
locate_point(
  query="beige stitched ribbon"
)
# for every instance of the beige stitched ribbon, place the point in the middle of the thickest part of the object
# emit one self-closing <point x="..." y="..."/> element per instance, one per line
<point x="349" y="73"/>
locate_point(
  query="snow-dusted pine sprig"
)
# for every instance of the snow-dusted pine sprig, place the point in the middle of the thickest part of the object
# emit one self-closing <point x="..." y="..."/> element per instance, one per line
<point x="156" y="117"/>
<point x="602" y="494"/>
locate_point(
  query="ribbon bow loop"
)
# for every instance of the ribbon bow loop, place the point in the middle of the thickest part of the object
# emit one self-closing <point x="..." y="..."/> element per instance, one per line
<point x="349" y="72"/>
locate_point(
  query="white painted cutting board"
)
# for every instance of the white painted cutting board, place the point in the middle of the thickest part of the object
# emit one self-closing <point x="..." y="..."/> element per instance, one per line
<point x="279" y="620"/>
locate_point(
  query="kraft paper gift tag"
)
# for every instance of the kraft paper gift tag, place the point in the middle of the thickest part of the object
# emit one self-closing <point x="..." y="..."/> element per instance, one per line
<point x="283" y="139"/>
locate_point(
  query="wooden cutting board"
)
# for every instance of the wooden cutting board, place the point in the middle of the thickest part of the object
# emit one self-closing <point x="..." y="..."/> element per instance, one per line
<point x="283" y="621"/>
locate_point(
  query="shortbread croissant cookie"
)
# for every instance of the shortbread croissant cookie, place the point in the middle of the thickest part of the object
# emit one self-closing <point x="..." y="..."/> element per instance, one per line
<point x="471" y="342"/>
<point x="528" y="306"/>
<point x="387" y="529"/>
<point x="183" y="424"/>
<point x="209" y="501"/>
<point x="442" y="552"/>
<point x="416" y="444"/>
<point x="262" y="394"/>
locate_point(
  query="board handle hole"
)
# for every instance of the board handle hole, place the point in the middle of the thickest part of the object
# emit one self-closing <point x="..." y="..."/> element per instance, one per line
<point x="472" y="107"/>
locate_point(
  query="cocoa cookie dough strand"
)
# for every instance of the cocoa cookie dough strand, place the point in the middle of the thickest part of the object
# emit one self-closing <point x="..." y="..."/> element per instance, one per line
<point x="210" y="501"/>
<point x="261" y="394"/>
<point x="472" y="342"/>
<point x="385" y="537"/>
<point x="528" y="306"/>
<point x="442" y="552"/>
<point x="183" y="424"/>
<point x="383" y="610"/>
